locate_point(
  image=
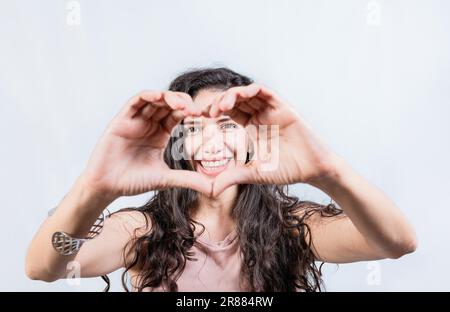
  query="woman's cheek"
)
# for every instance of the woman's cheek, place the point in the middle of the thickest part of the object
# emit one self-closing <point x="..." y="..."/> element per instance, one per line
<point x="192" y="145"/>
<point x="237" y="142"/>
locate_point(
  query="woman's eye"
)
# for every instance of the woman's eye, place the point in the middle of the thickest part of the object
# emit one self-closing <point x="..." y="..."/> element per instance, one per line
<point x="229" y="126"/>
<point x="192" y="130"/>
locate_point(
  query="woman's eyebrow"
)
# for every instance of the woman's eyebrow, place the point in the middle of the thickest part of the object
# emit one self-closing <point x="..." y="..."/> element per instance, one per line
<point x="223" y="118"/>
<point x="192" y="122"/>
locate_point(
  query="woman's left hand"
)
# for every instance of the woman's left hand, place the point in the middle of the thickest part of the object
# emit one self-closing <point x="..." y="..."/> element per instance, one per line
<point x="290" y="155"/>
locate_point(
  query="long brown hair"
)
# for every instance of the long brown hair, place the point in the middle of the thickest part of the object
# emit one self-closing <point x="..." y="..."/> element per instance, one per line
<point x="271" y="225"/>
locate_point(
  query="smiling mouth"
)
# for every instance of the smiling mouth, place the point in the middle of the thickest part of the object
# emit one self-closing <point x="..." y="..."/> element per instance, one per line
<point x="213" y="167"/>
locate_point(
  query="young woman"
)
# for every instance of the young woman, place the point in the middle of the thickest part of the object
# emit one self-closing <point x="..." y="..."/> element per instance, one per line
<point x="221" y="219"/>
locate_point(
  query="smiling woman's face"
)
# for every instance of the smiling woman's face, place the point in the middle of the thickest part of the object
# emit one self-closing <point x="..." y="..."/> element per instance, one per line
<point x="214" y="144"/>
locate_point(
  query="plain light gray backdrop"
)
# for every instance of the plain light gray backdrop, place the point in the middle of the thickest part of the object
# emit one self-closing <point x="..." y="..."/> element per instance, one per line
<point x="371" y="77"/>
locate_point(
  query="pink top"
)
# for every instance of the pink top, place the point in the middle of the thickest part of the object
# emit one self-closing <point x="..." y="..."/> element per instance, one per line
<point x="217" y="267"/>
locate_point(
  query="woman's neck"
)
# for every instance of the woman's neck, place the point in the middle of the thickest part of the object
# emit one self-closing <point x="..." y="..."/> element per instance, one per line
<point x="215" y="213"/>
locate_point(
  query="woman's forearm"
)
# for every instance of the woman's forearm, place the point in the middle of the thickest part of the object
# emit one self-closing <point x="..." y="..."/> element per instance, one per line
<point x="75" y="215"/>
<point x="376" y="216"/>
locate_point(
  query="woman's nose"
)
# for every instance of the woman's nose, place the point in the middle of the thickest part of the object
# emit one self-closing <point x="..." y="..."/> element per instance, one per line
<point x="214" y="147"/>
<point x="213" y="142"/>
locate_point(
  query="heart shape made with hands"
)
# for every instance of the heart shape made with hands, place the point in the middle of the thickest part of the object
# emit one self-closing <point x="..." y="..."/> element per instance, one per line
<point x="129" y="157"/>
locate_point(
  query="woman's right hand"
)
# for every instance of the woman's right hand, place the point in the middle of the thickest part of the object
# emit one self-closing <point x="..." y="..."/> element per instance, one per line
<point x="128" y="158"/>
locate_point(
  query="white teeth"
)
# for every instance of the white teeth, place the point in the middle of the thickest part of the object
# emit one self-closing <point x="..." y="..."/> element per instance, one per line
<point x="214" y="164"/>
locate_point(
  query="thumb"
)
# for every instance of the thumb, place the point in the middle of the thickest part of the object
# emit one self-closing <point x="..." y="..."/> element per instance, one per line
<point x="231" y="177"/>
<point x="189" y="179"/>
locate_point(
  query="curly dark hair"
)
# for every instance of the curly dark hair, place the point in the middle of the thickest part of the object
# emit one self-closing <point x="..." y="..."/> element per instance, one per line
<point x="271" y="225"/>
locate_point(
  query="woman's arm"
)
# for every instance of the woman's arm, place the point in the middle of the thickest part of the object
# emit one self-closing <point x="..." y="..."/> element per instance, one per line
<point x="127" y="160"/>
<point x="99" y="256"/>
<point x="374" y="227"/>
<point x="75" y="215"/>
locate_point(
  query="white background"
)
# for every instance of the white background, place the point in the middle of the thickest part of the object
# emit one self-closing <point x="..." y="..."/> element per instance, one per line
<point x="371" y="77"/>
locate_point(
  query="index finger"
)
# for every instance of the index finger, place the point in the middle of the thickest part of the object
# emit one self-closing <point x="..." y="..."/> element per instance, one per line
<point x="249" y="99"/>
<point x="139" y="101"/>
<point x="181" y="101"/>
